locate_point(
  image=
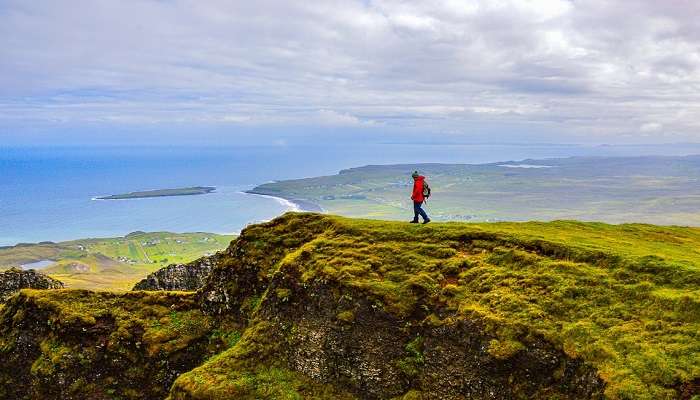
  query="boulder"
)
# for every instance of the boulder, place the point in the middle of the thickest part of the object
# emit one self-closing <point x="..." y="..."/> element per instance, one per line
<point x="185" y="277"/>
<point x="13" y="280"/>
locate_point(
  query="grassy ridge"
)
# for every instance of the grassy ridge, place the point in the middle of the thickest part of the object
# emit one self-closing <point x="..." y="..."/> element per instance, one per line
<point x="114" y="263"/>
<point x="626" y="299"/>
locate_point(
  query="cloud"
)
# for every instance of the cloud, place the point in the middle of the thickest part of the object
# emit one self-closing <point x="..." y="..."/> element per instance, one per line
<point x="593" y="69"/>
<point x="330" y="117"/>
<point x="650" y="127"/>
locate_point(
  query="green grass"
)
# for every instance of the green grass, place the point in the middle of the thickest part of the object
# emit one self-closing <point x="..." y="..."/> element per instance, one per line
<point x="414" y="357"/>
<point x="114" y="263"/>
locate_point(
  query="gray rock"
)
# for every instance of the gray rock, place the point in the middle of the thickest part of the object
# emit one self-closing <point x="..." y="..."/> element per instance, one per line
<point x="185" y="277"/>
<point x="13" y="280"/>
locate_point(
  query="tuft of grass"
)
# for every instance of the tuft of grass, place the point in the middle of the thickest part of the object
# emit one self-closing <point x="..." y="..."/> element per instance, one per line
<point x="411" y="364"/>
<point x="346" y="316"/>
<point x="504" y="349"/>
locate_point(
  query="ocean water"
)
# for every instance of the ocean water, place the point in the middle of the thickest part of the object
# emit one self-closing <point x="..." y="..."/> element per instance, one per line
<point x="46" y="193"/>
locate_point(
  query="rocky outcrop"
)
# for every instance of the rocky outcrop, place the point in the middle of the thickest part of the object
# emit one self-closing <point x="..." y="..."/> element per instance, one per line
<point x="347" y="338"/>
<point x="352" y="343"/>
<point x="13" y="280"/>
<point x="186" y="277"/>
<point x="76" y="344"/>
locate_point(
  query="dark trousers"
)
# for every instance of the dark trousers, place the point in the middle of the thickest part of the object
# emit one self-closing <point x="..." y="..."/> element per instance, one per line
<point x="417" y="210"/>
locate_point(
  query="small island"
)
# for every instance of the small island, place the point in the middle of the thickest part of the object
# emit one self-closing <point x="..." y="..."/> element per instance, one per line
<point x="188" y="191"/>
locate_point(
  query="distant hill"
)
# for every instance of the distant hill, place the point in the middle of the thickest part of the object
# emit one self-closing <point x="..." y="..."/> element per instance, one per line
<point x="659" y="190"/>
<point x="309" y="306"/>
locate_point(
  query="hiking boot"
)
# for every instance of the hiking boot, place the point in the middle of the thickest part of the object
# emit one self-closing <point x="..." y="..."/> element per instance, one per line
<point x="426" y="221"/>
<point x="415" y="221"/>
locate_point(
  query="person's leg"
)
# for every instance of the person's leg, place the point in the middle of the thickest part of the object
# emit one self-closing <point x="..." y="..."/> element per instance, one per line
<point x="421" y="212"/>
<point x="416" y="211"/>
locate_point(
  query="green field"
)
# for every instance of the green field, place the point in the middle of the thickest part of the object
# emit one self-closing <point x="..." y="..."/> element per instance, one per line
<point x="658" y="190"/>
<point x="113" y="263"/>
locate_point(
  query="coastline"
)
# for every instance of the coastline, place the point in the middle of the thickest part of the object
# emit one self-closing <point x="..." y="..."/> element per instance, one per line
<point x="291" y="203"/>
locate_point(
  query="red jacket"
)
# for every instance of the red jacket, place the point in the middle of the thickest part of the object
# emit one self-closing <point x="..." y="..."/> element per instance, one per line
<point x="417" y="194"/>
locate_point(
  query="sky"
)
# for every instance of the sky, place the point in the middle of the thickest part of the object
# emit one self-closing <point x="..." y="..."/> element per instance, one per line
<point x="280" y="72"/>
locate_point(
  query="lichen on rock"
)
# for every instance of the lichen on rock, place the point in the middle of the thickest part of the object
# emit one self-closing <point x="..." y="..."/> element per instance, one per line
<point x="77" y="344"/>
<point x="183" y="277"/>
<point x="13" y="280"/>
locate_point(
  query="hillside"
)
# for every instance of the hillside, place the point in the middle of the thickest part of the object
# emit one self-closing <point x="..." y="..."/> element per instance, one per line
<point x="657" y="190"/>
<point x="111" y="263"/>
<point x="314" y="306"/>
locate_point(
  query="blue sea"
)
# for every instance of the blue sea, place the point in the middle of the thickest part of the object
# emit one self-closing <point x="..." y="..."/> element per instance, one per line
<point x="46" y="193"/>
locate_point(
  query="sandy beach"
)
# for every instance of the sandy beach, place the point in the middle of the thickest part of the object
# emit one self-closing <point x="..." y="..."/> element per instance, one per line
<point x="291" y="203"/>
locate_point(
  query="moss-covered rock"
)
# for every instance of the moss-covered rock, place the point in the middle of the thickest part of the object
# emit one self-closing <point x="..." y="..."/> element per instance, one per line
<point x="179" y="277"/>
<point x="563" y="309"/>
<point x="13" y="280"/>
<point x="84" y="345"/>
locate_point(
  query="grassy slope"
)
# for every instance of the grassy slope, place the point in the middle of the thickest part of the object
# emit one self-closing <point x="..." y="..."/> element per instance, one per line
<point x="660" y="190"/>
<point x="96" y="264"/>
<point x="624" y="298"/>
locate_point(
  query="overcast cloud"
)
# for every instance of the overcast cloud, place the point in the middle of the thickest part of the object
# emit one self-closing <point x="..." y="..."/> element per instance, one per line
<point x="572" y="71"/>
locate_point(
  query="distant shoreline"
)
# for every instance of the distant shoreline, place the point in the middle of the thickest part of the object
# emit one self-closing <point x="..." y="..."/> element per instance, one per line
<point x="294" y="204"/>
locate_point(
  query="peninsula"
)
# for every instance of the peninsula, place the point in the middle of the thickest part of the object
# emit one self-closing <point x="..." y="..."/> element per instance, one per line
<point x="188" y="191"/>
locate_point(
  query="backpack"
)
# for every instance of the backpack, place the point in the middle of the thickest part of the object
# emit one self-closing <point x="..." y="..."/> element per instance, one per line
<point x="426" y="190"/>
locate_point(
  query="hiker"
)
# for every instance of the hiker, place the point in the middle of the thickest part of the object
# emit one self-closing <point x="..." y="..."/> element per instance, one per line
<point x="421" y="191"/>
